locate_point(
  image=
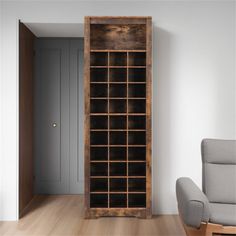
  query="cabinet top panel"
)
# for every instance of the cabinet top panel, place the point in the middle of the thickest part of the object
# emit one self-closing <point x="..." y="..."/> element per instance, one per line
<point x="118" y="19"/>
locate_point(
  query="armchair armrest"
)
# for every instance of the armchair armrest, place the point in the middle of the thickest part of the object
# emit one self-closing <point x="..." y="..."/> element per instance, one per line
<point x="192" y="203"/>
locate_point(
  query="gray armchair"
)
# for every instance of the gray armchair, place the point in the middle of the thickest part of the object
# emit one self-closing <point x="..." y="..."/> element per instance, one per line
<point x="212" y="210"/>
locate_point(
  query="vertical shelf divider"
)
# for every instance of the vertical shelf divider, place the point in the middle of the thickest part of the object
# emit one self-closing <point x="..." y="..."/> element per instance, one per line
<point x="108" y="125"/>
<point x="127" y="125"/>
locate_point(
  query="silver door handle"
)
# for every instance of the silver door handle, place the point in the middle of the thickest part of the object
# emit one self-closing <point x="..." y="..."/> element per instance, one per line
<point x="54" y="125"/>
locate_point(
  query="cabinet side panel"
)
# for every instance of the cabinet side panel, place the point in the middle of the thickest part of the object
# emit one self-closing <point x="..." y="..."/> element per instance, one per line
<point x="87" y="111"/>
<point x="149" y="114"/>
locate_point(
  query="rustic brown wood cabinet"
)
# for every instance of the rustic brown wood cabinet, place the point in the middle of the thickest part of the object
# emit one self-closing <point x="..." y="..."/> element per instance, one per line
<point x="117" y="80"/>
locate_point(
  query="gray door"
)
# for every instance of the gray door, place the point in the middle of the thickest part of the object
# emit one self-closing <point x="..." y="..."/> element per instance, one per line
<point x="57" y="76"/>
<point x="76" y="116"/>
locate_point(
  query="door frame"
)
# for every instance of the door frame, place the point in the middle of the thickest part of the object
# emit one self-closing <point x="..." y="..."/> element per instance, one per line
<point x="26" y="117"/>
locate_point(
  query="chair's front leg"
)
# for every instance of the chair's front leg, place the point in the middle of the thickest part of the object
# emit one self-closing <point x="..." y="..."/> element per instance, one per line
<point x="202" y="231"/>
<point x="209" y="231"/>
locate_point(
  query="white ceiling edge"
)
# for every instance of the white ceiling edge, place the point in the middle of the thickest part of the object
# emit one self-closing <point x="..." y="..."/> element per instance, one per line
<point x="56" y="29"/>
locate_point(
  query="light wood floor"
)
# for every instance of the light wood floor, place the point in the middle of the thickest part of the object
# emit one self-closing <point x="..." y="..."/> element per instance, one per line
<point x="63" y="215"/>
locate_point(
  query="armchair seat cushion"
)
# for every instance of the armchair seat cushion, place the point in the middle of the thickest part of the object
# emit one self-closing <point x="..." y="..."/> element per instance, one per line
<point x="224" y="214"/>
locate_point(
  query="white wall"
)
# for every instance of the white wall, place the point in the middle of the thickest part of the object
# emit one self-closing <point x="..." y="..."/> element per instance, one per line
<point x="0" y="111"/>
<point x="193" y="84"/>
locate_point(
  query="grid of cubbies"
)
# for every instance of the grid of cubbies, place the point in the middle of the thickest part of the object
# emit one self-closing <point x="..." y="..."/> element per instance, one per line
<point x="117" y="129"/>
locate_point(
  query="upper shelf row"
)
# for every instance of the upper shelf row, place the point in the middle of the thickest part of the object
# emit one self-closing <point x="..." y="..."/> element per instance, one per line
<point x="117" y="59"/>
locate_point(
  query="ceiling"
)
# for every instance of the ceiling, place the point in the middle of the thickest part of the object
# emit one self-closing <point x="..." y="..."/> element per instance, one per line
<point x="56" y="29"/>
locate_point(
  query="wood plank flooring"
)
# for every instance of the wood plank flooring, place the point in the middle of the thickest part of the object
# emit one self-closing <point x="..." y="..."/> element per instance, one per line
<point x="62" y="215"/>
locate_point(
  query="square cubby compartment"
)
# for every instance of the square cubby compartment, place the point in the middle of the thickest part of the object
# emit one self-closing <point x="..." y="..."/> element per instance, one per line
<point x="137" y="153"/>
<point x="118" y="90"/>
<point x="98" y="137"/>
<point x="118" y="185"/>
<point x="98" y="200"/>
<point x="137" y="200"/>
<point x="137" y="59"/>
<point x="117" y="122"/>
<point x="117" y="153"/>
<point x="98" y="106"/>
<point x="137" y="90"/>
<point x="137" y="75"/>
<point x="98" y="153"/>
<point x="98" y="122"/>
<point x="137" y="184"/>
<point x="118" y="74"/>
<point x="117" y="137"/>
<point x="137" y="169"/>
<point x="118" y="200"/>
<point x="137" y="106"/>
<point x="98" y="58"/>
<point x="118" y="59"/>
<point x="99" y="169"/>
<point x="137" y="137"/>
<point x="118" y="169"/>
<point x="117" y="106"/>
<point x="98" y="74"/>
<point x="137" y="122"/>
<point x="98" y="90"/>
<point x="99" y="184"/>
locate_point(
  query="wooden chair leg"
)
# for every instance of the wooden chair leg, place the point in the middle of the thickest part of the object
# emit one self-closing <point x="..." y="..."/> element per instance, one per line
<point x="202" y="231"/>
<point x="194" y="232"/>
<point x="209" y="229"/>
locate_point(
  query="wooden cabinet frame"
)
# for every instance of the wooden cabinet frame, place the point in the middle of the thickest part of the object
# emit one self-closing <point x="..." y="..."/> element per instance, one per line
<point x="118" y="52"/>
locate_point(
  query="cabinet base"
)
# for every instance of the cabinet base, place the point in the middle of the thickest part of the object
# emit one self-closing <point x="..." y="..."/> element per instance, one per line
<point x="135" y="212"/>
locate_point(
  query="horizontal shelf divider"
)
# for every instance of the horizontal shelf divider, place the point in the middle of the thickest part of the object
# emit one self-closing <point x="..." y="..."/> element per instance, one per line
<point x="117" y="145"/>
<point x="118" y="192"/>
<point x="118" y="114"/>
<point x="117" y="98"/>
<point x="118" y="161"/>
<point x="99" y="98"/>
<point x="98" y="66"/>
<point x="141" y="98"/>
<point x="118" y="209"/>
<point x="117" y="177"/>
<point x="117" y="67"/>
<point x="118" y="82"/>
<point x="116" y="50"/>
<point x="135" y="130"/>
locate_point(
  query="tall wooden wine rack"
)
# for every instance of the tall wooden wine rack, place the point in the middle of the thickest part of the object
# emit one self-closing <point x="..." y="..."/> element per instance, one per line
<point x="117" y="78"/>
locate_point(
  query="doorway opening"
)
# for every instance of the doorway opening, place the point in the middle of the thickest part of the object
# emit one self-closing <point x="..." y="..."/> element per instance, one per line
<point x="51" y="111"/>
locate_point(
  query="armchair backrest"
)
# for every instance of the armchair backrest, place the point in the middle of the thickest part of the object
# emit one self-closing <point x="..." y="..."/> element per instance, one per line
<point x="219" y="170"/>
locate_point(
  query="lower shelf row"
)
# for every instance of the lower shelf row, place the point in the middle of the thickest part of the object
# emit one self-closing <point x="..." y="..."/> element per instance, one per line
<point x="117" y="138"/>
<point x="118" y="200"/>
<point x="118" y="106"/>
<point x="118" y="184"/>
<point x="118" y="169"/>
<point x="118" y="153"/>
